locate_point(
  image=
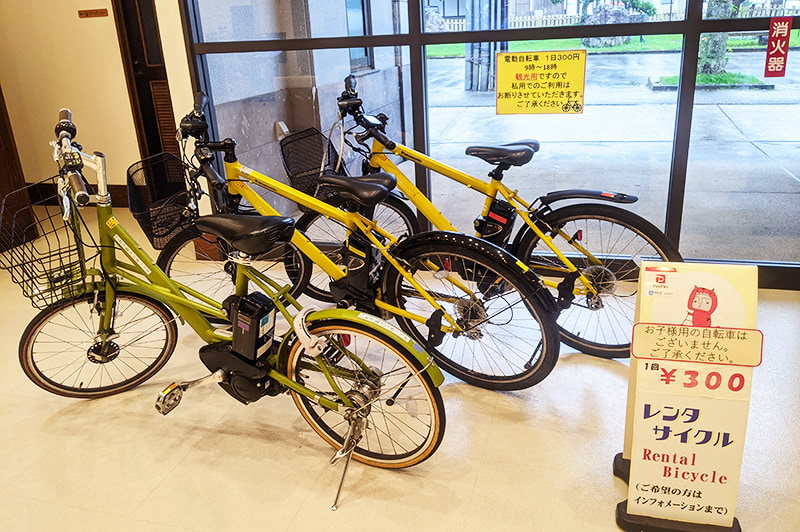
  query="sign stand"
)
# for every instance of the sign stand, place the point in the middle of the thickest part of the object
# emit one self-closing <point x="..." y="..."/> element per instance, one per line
<point x="692" y="354"/>
<point x="641" y="523"/>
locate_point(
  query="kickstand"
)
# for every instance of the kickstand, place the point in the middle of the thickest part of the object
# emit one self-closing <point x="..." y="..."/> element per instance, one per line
<point x="341" y="482"/>
<point x="351" y="439"/>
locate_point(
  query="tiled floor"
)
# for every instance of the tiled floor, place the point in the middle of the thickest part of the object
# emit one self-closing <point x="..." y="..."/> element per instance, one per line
<point x="539" y="459"/>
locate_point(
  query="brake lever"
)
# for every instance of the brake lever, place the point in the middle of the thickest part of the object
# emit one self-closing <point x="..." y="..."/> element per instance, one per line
<point x="63" y="192"/>
<point x="362" y="137"/>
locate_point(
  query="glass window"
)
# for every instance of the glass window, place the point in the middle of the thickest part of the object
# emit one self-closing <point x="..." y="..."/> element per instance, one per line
<point x="474" y="15"/>
<point x="743" y="176"/>
<point x="358" y="26"/>
<point x="622" y="139"/>
<point x="252" y="20"/>
<point x="260" y="96"/>
<point x="716" y="9"/>
<point x="742" y="170"/>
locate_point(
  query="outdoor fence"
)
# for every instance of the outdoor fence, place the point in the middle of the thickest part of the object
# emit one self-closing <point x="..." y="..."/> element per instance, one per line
<point x="549" y="21"/>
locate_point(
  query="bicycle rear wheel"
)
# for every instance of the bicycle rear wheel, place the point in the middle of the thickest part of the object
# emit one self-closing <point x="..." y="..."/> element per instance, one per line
<point x="405" y="412"/>
<point x="392" y="215"/>
<point x="508" y="342"/>
<point x="60" y="353"/>
<point x="200" y="261"/>
<point x="619" y="240"/>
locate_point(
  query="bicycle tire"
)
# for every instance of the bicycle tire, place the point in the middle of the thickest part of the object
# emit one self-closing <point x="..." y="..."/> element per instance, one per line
<point x="495" y="350"/>
<point x="200" y="261"/>
<point x="620" y="239"/>
<point x="404" y="427"/>
<point x="59" y="354"/>
<point x="393" y="215"/>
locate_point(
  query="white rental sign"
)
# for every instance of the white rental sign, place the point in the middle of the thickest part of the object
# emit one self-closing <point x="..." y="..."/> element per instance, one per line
<point x="694" y="347"/>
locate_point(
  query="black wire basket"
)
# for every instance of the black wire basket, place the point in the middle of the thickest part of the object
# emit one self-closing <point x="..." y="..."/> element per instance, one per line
<point x="43" y="253"/>
<point x="158" y="198"/>
<point x="302" y="154"/>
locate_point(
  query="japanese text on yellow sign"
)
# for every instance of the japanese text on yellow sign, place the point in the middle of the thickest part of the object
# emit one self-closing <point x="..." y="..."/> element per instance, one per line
<point x="540" y="82"/>
<point x="709" y="345"/>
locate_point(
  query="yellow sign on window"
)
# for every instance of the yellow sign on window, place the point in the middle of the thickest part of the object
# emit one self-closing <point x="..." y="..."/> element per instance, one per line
<point x="540" y="82"/>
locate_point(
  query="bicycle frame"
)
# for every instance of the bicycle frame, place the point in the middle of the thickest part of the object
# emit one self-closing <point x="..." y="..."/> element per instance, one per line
<point x="134" y="270"/>
<point x="490" y="189"/>
<point x="239" y="178"/>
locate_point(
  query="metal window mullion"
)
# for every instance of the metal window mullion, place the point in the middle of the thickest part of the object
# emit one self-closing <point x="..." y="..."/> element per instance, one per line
<point x="683" y="121"/>
<point x="419" y="100"/>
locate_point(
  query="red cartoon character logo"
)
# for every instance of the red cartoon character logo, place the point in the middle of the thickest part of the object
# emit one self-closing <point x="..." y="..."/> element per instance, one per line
<point x="702" y="303"/>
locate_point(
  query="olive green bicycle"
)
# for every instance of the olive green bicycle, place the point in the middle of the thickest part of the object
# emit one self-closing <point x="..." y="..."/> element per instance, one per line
<point x="108" y="323"/>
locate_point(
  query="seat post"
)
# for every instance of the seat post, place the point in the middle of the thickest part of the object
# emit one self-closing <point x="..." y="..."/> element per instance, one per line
<point x="497" y="173"/>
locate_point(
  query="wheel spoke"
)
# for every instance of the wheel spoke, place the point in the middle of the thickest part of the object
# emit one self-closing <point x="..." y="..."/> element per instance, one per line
<point x="62" y="353"/>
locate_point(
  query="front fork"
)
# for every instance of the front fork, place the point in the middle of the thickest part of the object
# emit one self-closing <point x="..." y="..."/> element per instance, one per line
<point x="105" y="313"/>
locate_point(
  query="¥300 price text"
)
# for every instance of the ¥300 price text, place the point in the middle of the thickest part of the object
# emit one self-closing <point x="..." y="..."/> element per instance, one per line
<point x="690" y="378"/>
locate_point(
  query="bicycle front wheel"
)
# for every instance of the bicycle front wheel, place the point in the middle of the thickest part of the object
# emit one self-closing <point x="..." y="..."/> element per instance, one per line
<point x="507" y="341"/>
<point x="200" y="261"/>
<point x="392" y="215"/>
<point x="615" y="242"/>
<point x="405" y="417"/>
<point x="61" y="353"/>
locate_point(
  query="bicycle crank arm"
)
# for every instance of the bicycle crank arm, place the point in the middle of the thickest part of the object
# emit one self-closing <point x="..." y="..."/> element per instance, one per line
<point x="171" y="396"/>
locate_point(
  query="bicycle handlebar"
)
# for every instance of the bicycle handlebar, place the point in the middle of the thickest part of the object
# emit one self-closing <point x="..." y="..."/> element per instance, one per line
<point x="351" y="104"/>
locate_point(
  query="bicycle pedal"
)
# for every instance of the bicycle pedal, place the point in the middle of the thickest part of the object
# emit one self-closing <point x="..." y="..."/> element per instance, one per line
<point x="169" y="398"/>
<point x="434" y="324"/>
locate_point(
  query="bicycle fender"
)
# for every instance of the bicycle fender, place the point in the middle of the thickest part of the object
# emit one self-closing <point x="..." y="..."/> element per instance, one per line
<point x="579" y="193"/>
<point x="405" y="249"/>
<point x="386" y="328"/>
<point x="398" y="194"/>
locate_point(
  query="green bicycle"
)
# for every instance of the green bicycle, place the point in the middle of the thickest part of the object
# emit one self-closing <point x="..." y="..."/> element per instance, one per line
<point x="108" y="323"/>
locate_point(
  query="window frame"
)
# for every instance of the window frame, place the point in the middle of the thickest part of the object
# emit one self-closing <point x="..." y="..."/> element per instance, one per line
<point x="784" y="275"/>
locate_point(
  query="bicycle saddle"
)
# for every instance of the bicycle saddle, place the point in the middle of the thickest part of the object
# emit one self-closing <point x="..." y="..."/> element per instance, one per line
<point x="514" y="153"/>
<point x="367" y="190"/>
<point x="251" y="234"/>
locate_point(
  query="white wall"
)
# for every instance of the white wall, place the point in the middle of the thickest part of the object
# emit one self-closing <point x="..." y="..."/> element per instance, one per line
<point x="174" y="48"/>
<point x="50" y="58"/>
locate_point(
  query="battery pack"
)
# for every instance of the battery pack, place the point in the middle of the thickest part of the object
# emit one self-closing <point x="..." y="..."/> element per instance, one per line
<point x="253" y="319"/>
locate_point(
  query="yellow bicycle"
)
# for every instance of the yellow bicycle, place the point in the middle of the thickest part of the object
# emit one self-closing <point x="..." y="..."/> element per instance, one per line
<point x="587" y="253"/>
<point x="479" y="311"/>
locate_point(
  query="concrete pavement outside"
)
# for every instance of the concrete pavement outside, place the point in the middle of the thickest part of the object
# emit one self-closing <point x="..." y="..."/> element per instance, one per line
<point x="743" y="180"/>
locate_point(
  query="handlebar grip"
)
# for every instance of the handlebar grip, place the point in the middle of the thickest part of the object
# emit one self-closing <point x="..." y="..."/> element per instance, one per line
<point x="64" y="115"/>
<point x="200" y="102"/>
<point x="214" y="179"/>
<point x="78" y="188"/>
<point x="383" y="139"/>
<point x="350" y="83"/>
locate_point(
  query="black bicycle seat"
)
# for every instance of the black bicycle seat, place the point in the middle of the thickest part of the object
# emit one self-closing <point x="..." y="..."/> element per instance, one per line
<point x="251" y="234"/>
<point x="384" y="179"/>
<point x="531" y="143"/>
<point x="367" y="190"/>
<point x="511" y="154"/>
